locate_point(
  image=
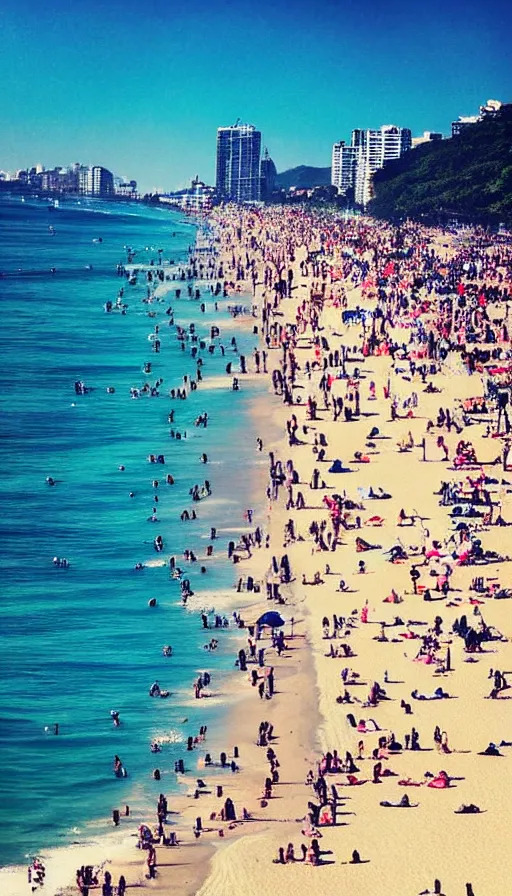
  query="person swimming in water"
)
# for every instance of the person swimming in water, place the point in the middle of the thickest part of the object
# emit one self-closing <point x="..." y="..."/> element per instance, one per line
<point x="119" y="769"/>
<point x="61" y="562"/>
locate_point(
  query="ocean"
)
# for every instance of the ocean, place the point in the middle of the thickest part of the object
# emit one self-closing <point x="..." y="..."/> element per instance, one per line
<point x="78" y="642"/>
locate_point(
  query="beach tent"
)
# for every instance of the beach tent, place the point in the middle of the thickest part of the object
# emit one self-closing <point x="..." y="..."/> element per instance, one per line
<point x="272" y="619"/>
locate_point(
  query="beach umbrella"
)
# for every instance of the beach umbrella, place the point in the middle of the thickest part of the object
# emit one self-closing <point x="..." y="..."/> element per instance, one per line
<point x="272" y="619"/>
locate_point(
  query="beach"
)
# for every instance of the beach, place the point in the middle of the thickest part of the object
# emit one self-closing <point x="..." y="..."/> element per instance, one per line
<point x="398" y="855"/>
<point x="379" y="498"/>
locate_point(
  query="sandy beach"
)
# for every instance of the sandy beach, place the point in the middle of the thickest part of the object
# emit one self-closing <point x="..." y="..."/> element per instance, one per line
<point x="416" y="850"/>
<point x="387" y="687"/>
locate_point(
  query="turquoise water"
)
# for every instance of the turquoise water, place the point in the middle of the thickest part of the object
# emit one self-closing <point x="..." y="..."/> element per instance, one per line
<point x="76" y="643"/>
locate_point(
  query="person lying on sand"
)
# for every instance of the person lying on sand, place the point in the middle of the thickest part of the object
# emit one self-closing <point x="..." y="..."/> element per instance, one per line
<point x="438" y="694"/>
<point x="491" y="750"/>
<point x="404" y="803"/>
<point x="317" y="579"/>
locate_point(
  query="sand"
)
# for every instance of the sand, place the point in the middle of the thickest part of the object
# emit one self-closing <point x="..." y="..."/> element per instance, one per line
<point x="403" y="850"/>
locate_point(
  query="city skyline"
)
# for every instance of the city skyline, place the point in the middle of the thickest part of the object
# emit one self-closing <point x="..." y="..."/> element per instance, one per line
<point x="143" y="91"/>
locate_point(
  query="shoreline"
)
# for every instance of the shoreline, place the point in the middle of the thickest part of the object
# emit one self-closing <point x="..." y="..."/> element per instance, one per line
<point x="371" y="644"/>
<point x="115" y="847"/>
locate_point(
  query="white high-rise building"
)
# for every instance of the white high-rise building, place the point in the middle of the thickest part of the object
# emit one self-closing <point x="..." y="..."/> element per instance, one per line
<point x="374" y="149"/>
<point x="343" y="171"/>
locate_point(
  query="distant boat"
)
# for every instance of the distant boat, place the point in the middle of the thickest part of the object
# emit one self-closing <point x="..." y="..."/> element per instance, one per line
<point x="54" y="205"/>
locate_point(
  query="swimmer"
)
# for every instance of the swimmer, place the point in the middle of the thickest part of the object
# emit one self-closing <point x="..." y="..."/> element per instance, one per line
<point x="61" y="562"/>
<point x="54" y="729"/>
<point x="119" y="769"/>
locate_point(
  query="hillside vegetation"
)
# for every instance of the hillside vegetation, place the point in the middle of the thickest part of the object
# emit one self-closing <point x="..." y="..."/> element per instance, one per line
<point x="304" y="177"/>
<point x="469" y="176"/>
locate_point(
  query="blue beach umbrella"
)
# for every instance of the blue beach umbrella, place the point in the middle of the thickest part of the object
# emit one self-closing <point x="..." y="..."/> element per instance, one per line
<point x="272" y="619"/>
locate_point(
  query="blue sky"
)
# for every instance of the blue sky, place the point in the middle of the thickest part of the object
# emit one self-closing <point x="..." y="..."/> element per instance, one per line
<point x="141" y="86"/>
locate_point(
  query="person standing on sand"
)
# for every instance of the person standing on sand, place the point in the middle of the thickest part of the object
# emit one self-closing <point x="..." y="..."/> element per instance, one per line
<point x="151" y="862"/>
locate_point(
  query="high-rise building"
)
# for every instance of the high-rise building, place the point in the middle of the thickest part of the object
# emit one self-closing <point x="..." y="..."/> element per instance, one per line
<point x="56" y="180"/>
<point x="343" y="170"/>
<point x="268" y="172"/>
<point x="374" y="149"/>
<point x="95" y="181"/>
<point x="102" y="181"/>
<point x="238" y="163"/>
<point x="83" y="180"/>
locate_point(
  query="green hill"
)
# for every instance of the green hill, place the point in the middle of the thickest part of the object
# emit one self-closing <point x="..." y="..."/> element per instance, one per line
<point x="304" y="176"/>
<point x="469" y="176"/>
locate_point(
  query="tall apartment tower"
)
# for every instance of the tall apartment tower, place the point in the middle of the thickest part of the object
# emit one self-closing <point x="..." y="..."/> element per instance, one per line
<point x="268" y="172"/>
<point x="95" y="181"/>
<point x="343" y="170"/>
<point x="238" y="163"/>
<point x="374" y="149"/>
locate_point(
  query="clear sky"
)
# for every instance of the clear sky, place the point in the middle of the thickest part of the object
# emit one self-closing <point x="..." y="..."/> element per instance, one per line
<point x="140" y="86"/>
